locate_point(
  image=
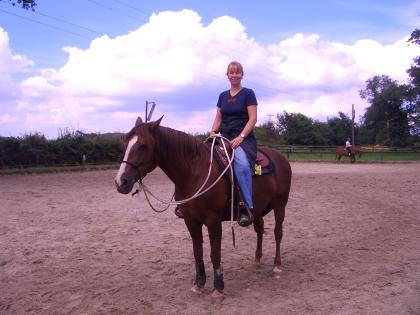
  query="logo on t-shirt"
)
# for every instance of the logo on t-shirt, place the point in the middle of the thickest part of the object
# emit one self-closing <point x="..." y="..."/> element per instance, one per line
<point x="231" y="100"/>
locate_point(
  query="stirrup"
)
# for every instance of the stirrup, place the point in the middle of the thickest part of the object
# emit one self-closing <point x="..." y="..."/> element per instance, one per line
<point x="246" y="217"/>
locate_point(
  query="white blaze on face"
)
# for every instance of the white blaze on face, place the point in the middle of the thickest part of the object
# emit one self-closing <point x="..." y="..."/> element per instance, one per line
<point x="122" y="166"/>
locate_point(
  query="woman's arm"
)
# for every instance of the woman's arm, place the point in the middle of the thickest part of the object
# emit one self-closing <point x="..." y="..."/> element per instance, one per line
<point x="252" y="114"/>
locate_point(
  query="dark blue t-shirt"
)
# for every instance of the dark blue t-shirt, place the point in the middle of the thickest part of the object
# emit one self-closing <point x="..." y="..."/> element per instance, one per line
<point x="235" y="116"/>
<point x="235" y="111"/>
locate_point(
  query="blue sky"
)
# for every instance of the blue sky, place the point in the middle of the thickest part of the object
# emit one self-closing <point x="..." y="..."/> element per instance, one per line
<point x="93" y="64"/>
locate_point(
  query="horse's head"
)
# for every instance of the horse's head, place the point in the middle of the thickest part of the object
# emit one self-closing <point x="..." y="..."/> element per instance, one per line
<point x="139" y="158"/>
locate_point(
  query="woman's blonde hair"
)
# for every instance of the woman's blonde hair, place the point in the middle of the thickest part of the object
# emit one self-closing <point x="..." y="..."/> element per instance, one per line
<point x="235" y="64"/>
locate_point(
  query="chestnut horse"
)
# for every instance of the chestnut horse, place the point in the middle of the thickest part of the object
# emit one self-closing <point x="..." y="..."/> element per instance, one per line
<point x="186" y="161"/>
<point x="341" y="151"/>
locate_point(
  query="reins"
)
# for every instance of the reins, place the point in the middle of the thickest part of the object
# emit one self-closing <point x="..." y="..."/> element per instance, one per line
<point x="200" y="190"/>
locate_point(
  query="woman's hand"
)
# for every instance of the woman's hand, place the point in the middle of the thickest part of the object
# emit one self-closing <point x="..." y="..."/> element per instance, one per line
<point x="236" y="142"/>
<point x="212" y="133"/>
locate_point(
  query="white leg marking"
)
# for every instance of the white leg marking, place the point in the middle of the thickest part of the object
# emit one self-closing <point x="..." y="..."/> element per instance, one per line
<point x="277" y="270"/>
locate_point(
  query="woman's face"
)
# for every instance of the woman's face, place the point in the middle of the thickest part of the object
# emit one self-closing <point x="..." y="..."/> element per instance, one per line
<point x="234" y="74"/>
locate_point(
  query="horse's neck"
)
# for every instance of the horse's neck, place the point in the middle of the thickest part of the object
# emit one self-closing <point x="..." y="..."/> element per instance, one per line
<point x="178" y="158"/>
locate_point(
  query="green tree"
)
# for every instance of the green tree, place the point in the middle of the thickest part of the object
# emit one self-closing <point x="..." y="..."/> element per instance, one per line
<point x="26" y="4"/>
<point x="339" y="128"/>
<point x="267" y="134"/>
<point x="415" y="37"/>
<point x="413" y="89"/>
<point x="385" y="117"/>
<point x="296" y="128"/>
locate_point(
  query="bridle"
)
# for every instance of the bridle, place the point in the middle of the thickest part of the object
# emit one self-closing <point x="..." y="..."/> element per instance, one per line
<point x="132" y="165"/>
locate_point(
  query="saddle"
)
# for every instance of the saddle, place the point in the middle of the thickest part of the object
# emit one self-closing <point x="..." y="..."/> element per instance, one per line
<point x="263" y="165"/>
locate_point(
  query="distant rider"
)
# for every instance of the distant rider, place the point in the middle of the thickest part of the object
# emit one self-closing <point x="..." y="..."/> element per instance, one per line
<point x="348" y="146"/>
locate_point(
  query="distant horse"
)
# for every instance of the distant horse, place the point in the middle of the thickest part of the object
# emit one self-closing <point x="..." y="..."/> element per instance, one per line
<point x="185" y="160"/>
<point x="342" y="151"/>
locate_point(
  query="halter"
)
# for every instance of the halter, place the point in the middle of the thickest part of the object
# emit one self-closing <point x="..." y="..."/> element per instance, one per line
<point x="132" y="165"/>
<point x="137" y="167"/>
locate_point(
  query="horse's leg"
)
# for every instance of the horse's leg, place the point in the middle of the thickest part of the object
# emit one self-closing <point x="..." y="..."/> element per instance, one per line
<point x="279" y="207"/>
<point x="259" y="229"/>
<point x="215" y="236"/>
<point x="196" y="232"/>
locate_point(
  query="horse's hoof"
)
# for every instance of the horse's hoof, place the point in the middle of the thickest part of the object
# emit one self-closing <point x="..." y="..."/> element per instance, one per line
<point x="277" y="269"/>
<point x="217" y="296"/>
<point x="196" y="289"/>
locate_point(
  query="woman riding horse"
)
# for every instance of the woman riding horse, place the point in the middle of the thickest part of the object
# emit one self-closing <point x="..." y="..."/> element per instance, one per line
<point x="185" y="160"/>
<point x="236" y="116"/>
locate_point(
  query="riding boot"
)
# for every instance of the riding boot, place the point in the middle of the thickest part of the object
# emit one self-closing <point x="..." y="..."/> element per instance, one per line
<point x="245" y="216"/>
<point x="178" y="212"/>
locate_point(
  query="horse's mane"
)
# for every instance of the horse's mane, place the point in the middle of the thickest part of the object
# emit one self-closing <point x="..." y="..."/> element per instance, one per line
<point x="180" y="146"/>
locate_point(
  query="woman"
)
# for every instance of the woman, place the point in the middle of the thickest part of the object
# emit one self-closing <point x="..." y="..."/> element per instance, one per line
<point x="348" y="146"/>
<point x="236" y="116"/>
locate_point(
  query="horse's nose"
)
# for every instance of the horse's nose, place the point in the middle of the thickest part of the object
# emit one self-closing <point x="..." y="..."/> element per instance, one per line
<point x="125" y="184"/>
<point x="124" y="181"/>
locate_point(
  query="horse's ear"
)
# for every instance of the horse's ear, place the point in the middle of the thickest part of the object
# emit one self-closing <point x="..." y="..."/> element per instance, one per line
<point x="155" y="124"/>
<point x="138" y="121"/>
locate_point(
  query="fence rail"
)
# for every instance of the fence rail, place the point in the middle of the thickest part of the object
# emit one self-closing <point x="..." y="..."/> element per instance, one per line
<point x="369" y="154"/>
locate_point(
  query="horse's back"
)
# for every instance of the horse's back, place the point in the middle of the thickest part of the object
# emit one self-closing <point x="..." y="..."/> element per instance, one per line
<point x="271" y="191"/>
<point x="282" y="169"/>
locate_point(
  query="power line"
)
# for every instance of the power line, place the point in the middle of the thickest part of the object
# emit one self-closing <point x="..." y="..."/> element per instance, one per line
<point x="46" y="24"/>
<point x="60" y="20"/>
<point x="197" y="67"/>
<point x="227" y="50"/>
<point x="68" y="23"/>
<point x="112" y="9"/>
<point x="131" y="7"/>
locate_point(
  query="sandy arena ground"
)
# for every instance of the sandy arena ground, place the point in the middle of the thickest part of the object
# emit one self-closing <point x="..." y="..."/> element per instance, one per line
<point x="70" y="244"/>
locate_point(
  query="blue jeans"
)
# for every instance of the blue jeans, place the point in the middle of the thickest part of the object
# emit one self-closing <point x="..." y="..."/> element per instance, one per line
<point x="243" y="173"/>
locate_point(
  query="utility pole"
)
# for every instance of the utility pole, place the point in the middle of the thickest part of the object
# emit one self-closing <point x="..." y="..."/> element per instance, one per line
<point x="353" y="114"/>
<point x="148" y="114"/>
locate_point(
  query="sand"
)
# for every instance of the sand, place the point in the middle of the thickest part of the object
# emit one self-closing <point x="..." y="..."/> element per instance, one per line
<point x="70" y="244"/>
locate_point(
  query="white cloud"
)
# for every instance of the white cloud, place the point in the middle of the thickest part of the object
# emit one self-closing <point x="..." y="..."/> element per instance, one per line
<point x="180" y="63"/>
<point x="6" y="119"/>
<point x="10" y="64"/>
<point x="392" y="60"/>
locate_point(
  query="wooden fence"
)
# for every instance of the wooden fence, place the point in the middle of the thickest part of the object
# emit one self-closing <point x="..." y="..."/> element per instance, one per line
<point x="369" y="154"/>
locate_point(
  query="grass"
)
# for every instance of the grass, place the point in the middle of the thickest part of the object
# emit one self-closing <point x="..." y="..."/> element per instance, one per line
<point x="367" y="157"/>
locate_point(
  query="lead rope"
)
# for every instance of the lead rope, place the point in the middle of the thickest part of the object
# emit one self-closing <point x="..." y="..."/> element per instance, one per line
<point x="200" y="192"/>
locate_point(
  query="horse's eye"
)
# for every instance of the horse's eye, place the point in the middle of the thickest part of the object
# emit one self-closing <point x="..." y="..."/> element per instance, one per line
<point x="143" y="147"/>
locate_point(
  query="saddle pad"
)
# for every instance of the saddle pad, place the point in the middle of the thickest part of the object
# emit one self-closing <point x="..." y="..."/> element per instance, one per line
<point x="264" y="161"/>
